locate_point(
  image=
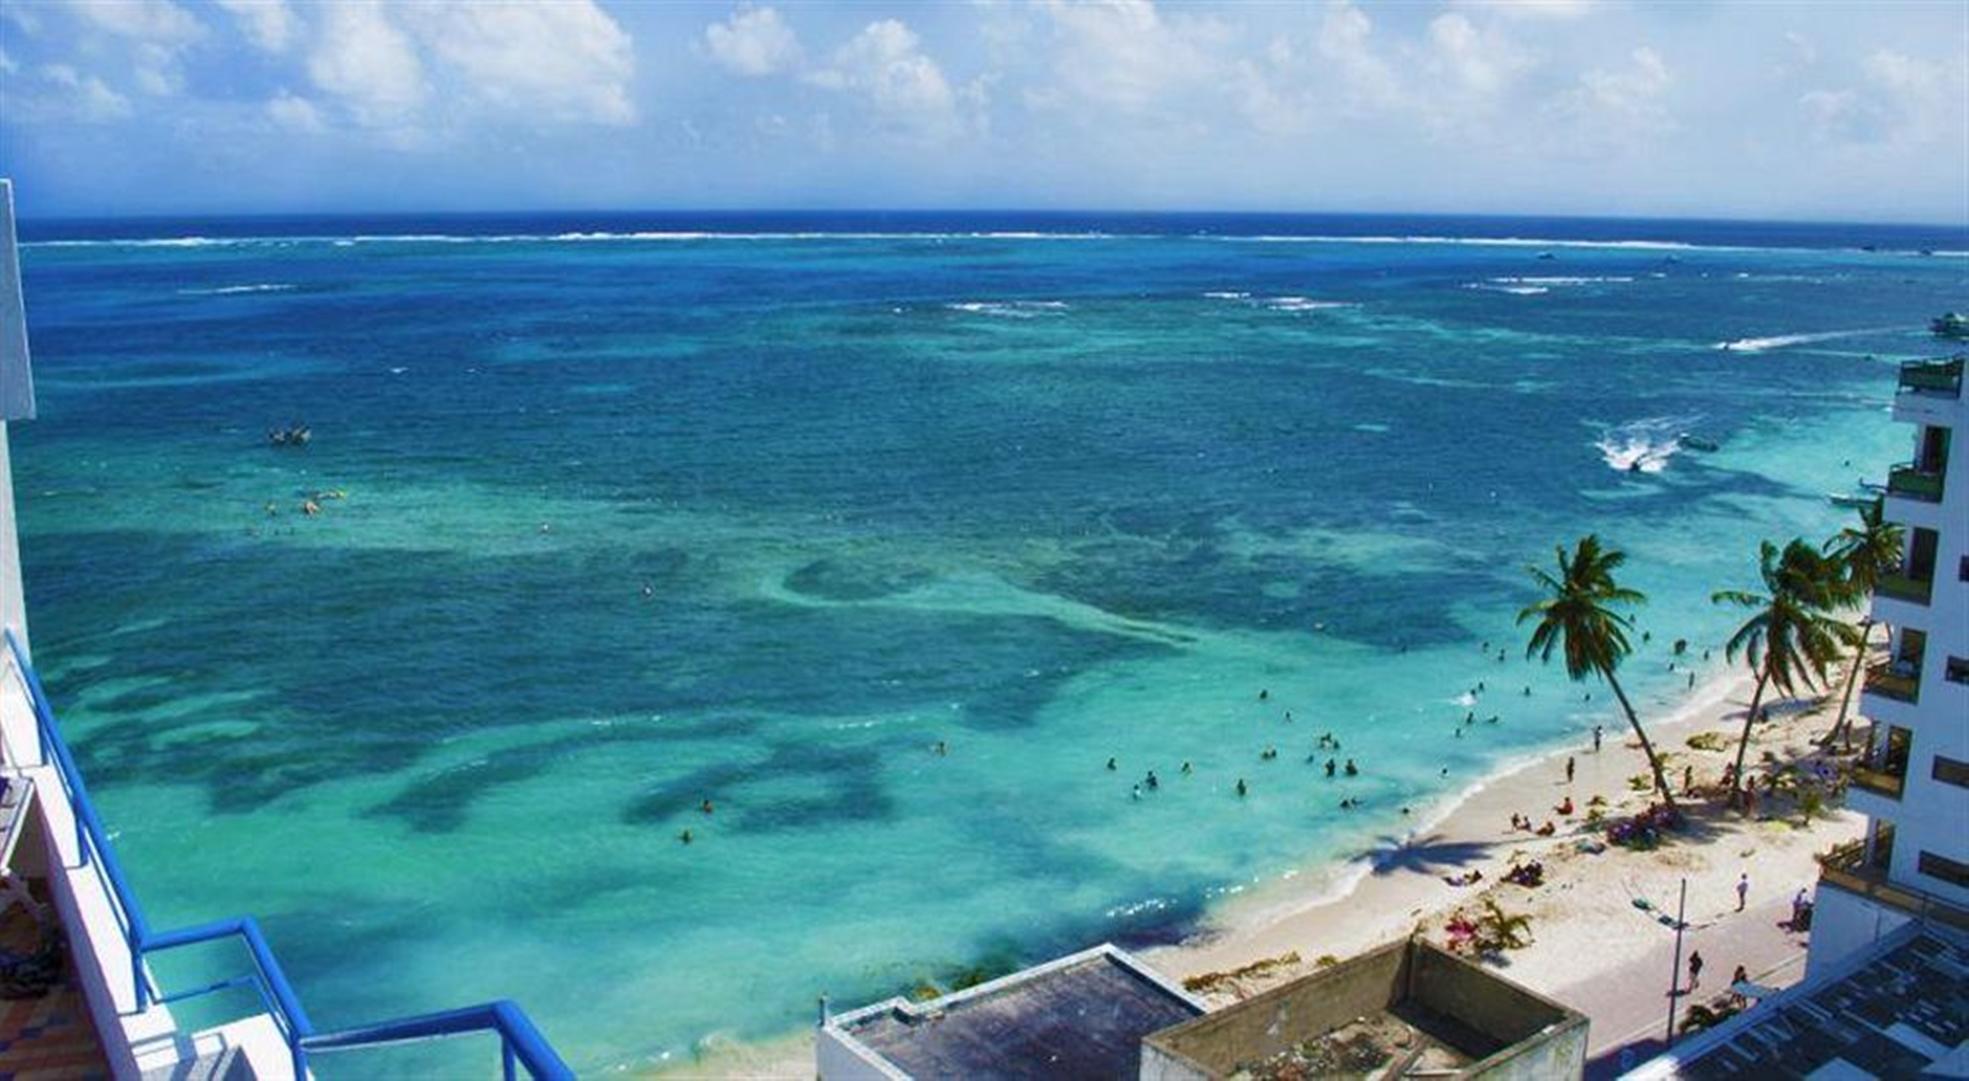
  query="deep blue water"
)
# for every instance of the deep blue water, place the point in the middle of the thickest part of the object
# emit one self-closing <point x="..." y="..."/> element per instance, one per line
<point x="613" y="524"/>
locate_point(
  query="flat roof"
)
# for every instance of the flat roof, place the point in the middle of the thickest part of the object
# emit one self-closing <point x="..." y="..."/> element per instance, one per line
<point x="1081" y="1016"/>
<point x="1893" y="1013"/>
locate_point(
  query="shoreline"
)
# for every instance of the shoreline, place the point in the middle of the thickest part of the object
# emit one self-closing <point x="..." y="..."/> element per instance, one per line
<point x="1342" y="908"/>
<point x="1587" y="906"/>
<point x="1467" y="817"/>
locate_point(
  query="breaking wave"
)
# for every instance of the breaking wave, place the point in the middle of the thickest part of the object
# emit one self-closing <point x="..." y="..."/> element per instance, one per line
<point x="1009" y="309"/>
<point x="228" y="290"/>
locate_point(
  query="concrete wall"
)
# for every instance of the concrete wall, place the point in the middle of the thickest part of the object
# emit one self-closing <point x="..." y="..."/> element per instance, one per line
<point x="1460" y="990"/>
<point x="1546" y="1040"/>
<point x="1843" y="924"/>
<point x="838" y="1059"/>
<point x="1280" y="1018"/>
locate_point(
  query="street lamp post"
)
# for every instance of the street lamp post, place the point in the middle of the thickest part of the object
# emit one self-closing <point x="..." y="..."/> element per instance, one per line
<point x="1675" y="973"/>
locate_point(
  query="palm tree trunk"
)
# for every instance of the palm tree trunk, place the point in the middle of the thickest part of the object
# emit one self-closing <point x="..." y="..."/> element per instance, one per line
<point x="1647" y="747"/>
<point x="1743" y="745"/>
<point x="1852" y="678"/>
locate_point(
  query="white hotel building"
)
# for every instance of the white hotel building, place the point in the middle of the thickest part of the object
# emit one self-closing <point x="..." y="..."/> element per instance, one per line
<point x="1913" y="786"/>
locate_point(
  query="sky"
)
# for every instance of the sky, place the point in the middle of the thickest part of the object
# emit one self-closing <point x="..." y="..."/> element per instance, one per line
<point x="1823" y="110"/>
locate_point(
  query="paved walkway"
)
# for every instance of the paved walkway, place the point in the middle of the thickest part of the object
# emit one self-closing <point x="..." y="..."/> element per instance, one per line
<point x="1629" y="1005"/>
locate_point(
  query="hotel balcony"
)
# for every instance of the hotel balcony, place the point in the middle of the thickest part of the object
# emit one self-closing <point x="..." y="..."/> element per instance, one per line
<point x="1847" y="867"/>
<point x="1879" y="778"/>
<point x="1912" y="482"/>
<point x="1903" y="587"/>
<point x="1897" y="681"/>
<point x="1935" y="377"/>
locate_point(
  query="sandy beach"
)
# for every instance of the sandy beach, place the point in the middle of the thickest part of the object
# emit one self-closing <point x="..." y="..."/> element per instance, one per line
<point x="1585" y="924"/>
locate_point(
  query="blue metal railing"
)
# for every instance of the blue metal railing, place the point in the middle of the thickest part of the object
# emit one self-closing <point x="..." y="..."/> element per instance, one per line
<point x="521" y="1044"/>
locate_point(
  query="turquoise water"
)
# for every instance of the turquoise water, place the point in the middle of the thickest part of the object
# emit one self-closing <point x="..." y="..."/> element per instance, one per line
<point x="633" y="523"/>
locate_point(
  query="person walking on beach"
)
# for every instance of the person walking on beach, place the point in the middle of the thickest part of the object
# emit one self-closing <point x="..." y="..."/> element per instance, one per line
<point x="1569" y="769"/>
<point x="1743" y="889"/>
<point x="1596" y="739"/>
<point x="1695" y="969"/>
<point x="1737" y="979"/>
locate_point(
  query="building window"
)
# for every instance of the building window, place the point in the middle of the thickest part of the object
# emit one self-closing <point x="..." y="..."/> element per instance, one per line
<point x="1957" y="670"/>
<point x="1962" y="570"/>
<point x="1943" y="868"/>
<point x="1951" y="771"/>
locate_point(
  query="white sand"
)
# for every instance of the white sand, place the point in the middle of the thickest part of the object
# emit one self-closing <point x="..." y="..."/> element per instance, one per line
<point x="1584" y="921"/>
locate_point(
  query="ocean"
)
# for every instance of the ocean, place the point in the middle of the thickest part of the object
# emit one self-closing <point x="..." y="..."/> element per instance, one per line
<point x="884" y="534"/>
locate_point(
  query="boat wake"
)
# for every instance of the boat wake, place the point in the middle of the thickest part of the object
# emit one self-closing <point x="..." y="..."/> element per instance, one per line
<point x="1780" y="341"/>
<point x="1642" y="446"/>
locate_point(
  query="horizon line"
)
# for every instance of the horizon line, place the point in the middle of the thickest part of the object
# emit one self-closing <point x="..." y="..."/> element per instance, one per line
<point x="1008" y="210"/>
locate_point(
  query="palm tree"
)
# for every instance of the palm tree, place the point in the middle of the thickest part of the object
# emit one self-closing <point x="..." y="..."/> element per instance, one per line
<point x="1864" y="556"/>
<point x="1792" y="633"/>
<point x="1577" y="616"/>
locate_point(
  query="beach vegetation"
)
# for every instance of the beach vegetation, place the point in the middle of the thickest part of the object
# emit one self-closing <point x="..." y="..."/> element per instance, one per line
<point x="1498" y="930"/>
<point x="1640" y="782"/>
<point x="1792" y="634"/>
<point x="1233" y="980"/>
<point x="1707" y="741"/>
<point x="1865" y="554"/>
<point x="1580" y="616"/>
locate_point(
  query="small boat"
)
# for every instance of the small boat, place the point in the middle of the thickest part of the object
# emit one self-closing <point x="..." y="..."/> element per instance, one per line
<point x="1696" y="442"/>
<point x="1854" y="501"/>
<point x="1546" y="255"/>
<point x="1952" y="326"/>
<point x="295" y="436"/>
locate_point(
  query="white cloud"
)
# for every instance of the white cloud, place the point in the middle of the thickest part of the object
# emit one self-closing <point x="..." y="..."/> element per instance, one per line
<point x="885" y="64"/>
<point x="1616" y="107"/>
<point x="565" y="62"/>
<point x="1479" y="62"/>
<point x="294" y="113"/>
<point x="7" y="65"/>
<point x="753" y="42"/>
<point x="1535" y="9"/>
<point x="371" y="66"/>
<point x="1903" y="99"/>
<point x="269" y="24"/>
<point x="1123" y="53"/>
<point x="81" y="97"/>
<point x="545" y="63"/>
<point x="158" y="21"/>
<point x="1366" y="79"/>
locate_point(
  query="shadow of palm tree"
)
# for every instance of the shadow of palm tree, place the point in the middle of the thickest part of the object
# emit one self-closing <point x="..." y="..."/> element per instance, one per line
<point x="1422" y="855"/>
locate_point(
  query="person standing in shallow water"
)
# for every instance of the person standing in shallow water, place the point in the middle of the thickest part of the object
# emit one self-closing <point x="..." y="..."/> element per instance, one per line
<point x="1569" y="769"/>
<point x="1596" y="739"/>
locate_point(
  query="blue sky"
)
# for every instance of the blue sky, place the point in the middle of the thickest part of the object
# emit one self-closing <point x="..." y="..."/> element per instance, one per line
<point x="1848" y="111"/>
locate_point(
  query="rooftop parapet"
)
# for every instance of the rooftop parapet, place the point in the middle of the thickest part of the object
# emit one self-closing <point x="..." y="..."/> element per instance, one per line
<point x="1409" y="1007"/>
<point x="1081" y="1016"/>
